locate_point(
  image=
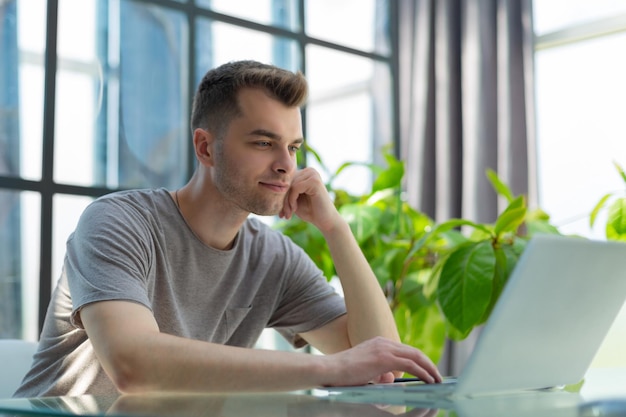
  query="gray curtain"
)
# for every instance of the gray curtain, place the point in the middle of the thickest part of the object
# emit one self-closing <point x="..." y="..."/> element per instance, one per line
<point x="466" y="104"/>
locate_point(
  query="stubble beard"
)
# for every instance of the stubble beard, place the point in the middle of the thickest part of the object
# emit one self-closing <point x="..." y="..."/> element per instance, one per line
<point x="252" y="200"/>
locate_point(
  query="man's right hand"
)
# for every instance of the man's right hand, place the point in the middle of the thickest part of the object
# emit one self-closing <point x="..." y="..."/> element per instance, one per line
<point x="375" y="360"/>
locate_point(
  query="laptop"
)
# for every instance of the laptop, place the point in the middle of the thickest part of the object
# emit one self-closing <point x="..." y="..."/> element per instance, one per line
<point x="549" y="322"/>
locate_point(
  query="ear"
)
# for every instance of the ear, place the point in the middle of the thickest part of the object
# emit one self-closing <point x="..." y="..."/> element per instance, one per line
<point x="203" y="142"/>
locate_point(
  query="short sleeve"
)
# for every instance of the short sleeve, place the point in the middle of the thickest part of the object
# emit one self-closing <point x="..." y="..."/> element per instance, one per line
<point x="108" y="256"/>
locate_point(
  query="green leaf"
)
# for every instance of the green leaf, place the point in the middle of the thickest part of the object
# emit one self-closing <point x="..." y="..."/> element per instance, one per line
<point x="342" y="167"/>
<point x="391" y="177"/>
<point x="538" y="221"/>
<point x="620" y="170"/>
<point x="477" y="235"/>
<point x="597" y="208"/>
<point x="310" y="151"/>
<point x="455" y="334"/>
<point x="465" y="284"/>
<point x="506" y="258"/>
<point x="411" y="291"/>
<point x="363" y="220"/>
<point x="616" y="221"/>
<point x="311" y="240"/>
<point x="445" y="227"/>
<point x="537" y="214"/>
<point x="387" y="267"/>
<point x="500" y="187"/>
<point x="511" y="218"/>
<point x="541" y="227"/>
<point x="383" y="198"/>
<point x="574" y="388"/>
<point x="416" y="224"/>
<point x="432" y="284"/>
<point x="454" y="223"/>
<point x="452" y="238"/>
<point x="342" y="198"/>
<point x="422" y="327"/>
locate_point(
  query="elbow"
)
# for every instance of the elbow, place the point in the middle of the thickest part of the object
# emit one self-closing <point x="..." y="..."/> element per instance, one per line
<point x="128" y="374"/>
<point x="127" y="383"/>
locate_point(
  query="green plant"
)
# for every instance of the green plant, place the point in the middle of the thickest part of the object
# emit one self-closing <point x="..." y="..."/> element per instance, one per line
<point x="441" y="280"/>
<point x="615" y="227"/>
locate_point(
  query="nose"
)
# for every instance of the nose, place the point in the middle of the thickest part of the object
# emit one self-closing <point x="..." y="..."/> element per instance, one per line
<point x="285" y="161"/>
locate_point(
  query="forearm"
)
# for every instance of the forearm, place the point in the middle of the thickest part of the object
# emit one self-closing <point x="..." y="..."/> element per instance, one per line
<point x="139" y="358"/>
<point x="161" y="362"/>
<point x="369" y="314"/>
<point x="168" y="363"/>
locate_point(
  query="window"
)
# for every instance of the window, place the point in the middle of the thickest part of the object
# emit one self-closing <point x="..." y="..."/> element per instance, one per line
<point x="580" y="94"/>
<point x="95" y="97"/>
<point x="581" y="131"/>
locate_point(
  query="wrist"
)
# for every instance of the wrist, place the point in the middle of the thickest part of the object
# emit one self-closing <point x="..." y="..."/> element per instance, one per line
<point x="336" y="227"/>
<point x="324" y="370"/>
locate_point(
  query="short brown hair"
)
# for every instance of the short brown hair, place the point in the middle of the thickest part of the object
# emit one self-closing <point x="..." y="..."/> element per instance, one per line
<point x="215" y="103"/>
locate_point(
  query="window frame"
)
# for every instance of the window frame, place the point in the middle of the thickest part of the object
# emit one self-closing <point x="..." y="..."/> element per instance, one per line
<point x="47" y="188"/>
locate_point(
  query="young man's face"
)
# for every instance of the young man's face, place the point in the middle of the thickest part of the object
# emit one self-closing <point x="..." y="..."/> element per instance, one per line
<point x="256" y="160"/>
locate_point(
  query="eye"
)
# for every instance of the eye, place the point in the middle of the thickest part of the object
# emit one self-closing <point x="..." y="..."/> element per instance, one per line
<point x="263" y="143"/>
<point x="294" y="148"/>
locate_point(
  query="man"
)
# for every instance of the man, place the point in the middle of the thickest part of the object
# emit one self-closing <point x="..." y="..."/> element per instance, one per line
<point x="168" y="291"/>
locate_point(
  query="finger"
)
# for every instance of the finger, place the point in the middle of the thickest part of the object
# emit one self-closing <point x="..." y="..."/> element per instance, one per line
<point x="427" y="373"/>
<point x="290" y="205"/>
<point x="430" y="367"/>
<point x="425" y="363"/>
<point x="411" y="367"/>
<point x="286" y="211"/>
<point x="385" y="378"/>
<point x="418" y="364"/>
<point x="298" y="187"/>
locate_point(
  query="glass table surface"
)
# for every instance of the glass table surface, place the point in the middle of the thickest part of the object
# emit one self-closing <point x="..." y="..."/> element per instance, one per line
<point x="603" y="393"/>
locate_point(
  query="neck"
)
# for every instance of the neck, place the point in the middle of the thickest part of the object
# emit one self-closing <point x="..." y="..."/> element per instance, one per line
<point x="215" y="224"/>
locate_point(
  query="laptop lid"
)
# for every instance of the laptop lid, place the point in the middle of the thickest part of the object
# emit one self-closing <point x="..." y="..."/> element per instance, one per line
<point x="549" y="322"/>
<point x="551" y="317"/>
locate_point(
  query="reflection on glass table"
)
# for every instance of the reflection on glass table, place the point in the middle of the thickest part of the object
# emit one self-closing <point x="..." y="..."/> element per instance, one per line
<point x="226" y="405"/>
<point x="296" y="405"/>
<point x="602" y="393"/>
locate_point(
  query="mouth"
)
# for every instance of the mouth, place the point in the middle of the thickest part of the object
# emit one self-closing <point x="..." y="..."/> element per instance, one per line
<point x="278" y="187"/>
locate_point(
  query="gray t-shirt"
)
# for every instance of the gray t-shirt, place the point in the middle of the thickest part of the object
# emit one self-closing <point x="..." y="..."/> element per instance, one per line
<point x="136" y="246"/>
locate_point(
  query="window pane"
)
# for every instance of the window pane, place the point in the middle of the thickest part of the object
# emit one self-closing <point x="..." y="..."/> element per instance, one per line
<point x="360" y="24"/>
<point x="553" y="15"/>
<point x="22" y="41"/>
<point x="19" y="264"/>
<point x="31" y="93"/>
<point x="281" y="13"/>
<point x="66" y="212"/>
<point x="348" y="115"/>
<point x="581" y="95"/>
<point x="218" y="43"/>
<point x="121" y="116"/>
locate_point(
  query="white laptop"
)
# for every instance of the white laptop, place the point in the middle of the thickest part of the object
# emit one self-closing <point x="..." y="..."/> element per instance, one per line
<point x="549" y="322"/>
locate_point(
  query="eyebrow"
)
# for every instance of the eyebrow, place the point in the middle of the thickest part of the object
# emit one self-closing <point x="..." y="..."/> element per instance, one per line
<point x="272" y="135"/>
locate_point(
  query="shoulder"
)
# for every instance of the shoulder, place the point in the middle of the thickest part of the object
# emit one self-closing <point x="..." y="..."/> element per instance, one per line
<point x="132" y="201"/>
<point x="126" y="209"/>
<point x="143" y="198"/>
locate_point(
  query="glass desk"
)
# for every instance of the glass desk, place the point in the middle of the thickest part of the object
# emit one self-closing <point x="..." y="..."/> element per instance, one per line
<point x="602" y="394"/>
